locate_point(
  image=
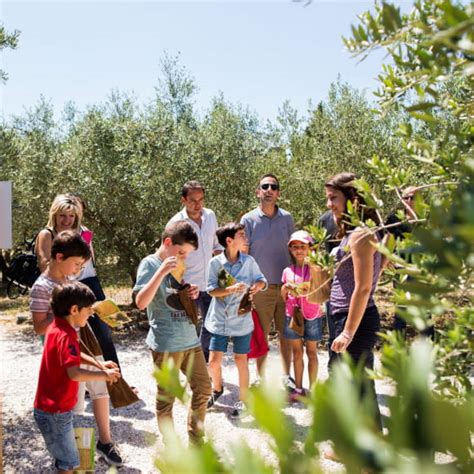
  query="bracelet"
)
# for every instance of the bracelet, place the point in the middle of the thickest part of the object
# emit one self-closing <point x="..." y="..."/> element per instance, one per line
<point x="347" y="335"/>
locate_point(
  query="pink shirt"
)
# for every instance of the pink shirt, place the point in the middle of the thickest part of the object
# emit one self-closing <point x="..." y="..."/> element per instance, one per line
<point x="296" y="276"/>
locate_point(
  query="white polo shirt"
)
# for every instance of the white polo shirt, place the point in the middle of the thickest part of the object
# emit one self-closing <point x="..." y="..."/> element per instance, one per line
<point x="197" y="261"/>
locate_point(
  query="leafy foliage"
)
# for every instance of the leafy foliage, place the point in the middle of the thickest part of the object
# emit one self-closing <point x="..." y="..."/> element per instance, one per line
<point x="431" y="79"/>
<point x="7" y="40"/>
<point x="419" y="424"/>
<point x="319" y="255"/>
<point x="129" y="163"/>
<point x="341" y="133"/>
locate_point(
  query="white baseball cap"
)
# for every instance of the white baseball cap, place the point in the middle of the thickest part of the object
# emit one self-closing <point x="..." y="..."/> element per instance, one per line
<point x="301" y="236"/>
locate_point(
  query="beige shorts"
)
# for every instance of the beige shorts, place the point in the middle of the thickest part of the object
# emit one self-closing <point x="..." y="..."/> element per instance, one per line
<point x="270" y="307"/>
<point x="96" y="388"/>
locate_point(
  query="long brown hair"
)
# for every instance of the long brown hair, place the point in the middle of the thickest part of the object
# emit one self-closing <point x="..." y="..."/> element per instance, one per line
<point x="344" y="182"/>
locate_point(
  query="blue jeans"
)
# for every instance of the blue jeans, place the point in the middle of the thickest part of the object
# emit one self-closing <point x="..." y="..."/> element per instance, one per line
<point x="313" y="330"/>
<point x="58" y="434"/>
<point x="203" y="302"/>
<point x="241" y="343"/>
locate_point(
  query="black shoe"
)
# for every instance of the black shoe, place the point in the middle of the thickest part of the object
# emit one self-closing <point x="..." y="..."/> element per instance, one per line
<point x="110" y="453"/>
<point x="215" y="395"/>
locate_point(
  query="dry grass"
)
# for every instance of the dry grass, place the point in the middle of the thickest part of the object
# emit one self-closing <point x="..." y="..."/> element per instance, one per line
<point x="122" y="295"/>
<point x="9" y="306"/>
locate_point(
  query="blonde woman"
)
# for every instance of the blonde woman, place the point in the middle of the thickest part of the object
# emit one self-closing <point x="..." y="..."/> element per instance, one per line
<point x="65" y="214"/>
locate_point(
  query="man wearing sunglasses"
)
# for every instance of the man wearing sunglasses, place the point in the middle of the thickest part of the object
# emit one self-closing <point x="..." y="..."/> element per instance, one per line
<point x="268" y="229"/>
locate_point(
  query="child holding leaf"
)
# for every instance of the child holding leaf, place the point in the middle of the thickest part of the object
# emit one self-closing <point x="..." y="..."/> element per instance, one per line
<point x="234" y="277"/>
<point x="172" y="334"/>
<point x="303" y="326"/>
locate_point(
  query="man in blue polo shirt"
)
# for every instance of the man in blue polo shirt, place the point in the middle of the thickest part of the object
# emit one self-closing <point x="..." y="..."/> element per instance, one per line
<point x="268" y="228"/>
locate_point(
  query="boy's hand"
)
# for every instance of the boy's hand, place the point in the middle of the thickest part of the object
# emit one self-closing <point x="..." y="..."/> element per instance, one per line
<point x="110" y="364"/>
<point x="112" y="375"/>
<point x="168" y="265"/>
<point x="193" y="292"/>
<point x="256" y="287"/>
<point x="237" y="288"/>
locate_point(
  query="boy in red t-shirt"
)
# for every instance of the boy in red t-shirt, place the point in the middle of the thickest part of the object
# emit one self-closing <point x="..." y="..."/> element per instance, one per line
<point x="60" y="373"/>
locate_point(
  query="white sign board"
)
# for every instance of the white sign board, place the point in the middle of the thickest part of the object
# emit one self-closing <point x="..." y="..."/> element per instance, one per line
<point x="5" y="215"/>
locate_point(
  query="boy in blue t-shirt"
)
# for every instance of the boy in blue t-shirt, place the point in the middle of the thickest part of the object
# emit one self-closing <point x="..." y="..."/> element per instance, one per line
<point x="226" y="318"/>
<point x="172" y="334"/>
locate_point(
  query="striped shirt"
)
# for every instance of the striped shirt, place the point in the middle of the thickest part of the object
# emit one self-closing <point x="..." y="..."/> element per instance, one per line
<point x="40" y="295"/>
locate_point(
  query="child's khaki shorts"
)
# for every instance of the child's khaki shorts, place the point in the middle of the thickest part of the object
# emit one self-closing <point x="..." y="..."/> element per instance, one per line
<point x="96" y="388"/>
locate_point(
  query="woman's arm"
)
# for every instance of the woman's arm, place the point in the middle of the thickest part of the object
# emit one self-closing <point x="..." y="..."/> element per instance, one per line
<point x="362" y="252"/>
<point x="43" y="249"/>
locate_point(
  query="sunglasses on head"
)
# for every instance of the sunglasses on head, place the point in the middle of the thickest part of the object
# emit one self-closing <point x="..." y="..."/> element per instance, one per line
<point x="274" y="186"/>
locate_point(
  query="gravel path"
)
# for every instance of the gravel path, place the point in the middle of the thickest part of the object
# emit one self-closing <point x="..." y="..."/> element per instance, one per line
<point x="134" y="428"/>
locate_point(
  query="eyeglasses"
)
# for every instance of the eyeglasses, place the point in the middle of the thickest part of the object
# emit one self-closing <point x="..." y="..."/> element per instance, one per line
<point x="409" y="198"/>
<point x="274" y="186"/>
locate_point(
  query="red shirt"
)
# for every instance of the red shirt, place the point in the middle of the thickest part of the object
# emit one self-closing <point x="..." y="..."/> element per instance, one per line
<point x="56" y="392"/>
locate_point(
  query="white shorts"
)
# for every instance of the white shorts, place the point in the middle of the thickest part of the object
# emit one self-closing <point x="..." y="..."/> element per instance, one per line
<point x="96" y="388"/>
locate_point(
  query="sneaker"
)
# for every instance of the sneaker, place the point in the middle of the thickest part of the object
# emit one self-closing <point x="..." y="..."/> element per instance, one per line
<point x="291" y="394"/>
<point x="329" y="454"/>
<point x="297" y="394"/>
<point x="289" y="383"/>
<point x="239" y="409"/>
<point x="215" y="395"/>
<point x="256" y="383"/>
<point x="111" y="453"/>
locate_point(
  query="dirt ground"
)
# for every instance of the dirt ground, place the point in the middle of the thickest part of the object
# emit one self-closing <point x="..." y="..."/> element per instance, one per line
<point x="134" y="428"/>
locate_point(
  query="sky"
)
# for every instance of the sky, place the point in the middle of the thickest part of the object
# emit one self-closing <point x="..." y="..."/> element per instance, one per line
<point x="258" y="54"/>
